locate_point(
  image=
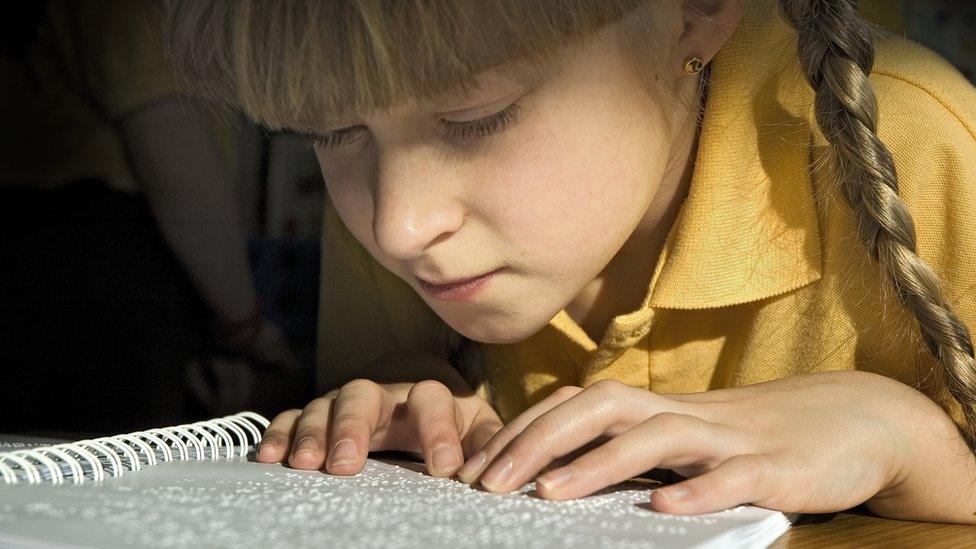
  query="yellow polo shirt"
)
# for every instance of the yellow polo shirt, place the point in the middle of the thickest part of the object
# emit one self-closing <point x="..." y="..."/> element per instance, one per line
<point x="761" y="276"/>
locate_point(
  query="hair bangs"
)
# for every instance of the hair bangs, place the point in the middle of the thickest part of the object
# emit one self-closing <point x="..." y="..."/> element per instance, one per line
<point x="299" y="64"/>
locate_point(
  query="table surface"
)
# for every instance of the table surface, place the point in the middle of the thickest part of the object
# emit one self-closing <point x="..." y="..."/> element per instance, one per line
<point x="862" y="530"/>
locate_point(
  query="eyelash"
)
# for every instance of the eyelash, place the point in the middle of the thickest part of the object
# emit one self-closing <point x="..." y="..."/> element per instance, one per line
<point x="481" y="127"/>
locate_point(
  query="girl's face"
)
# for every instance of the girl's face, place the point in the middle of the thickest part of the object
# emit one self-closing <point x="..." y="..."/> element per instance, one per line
<point x="539" y="183"/>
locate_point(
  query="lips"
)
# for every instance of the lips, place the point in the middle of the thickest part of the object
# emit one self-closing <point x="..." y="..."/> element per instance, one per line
<point x="458" y="289"/>
<point x="450" y="284"/>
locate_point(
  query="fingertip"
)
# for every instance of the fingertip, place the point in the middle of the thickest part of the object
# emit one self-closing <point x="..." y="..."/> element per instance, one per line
<point x="345" y="470"/>
<point x="445" y="460"/>
<point x="301" y="460"/>
<point x="674" y="500"/>
<point x="471" y="469"/>
<point x="268" y="452"/>
<point x="306" y="454"/>
<point x="344" y="458"/>
<point x="552" y="494"/>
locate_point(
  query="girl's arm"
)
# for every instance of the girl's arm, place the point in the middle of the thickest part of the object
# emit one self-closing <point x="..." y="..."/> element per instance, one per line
<point x="935" y="479"/>
<point x="814" y="443"/>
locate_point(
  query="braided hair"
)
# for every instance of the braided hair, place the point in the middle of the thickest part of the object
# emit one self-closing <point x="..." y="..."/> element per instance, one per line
<point x="836" y="55"/>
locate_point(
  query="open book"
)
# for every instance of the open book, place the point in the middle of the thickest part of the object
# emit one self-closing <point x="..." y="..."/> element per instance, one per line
<point x="199" y="486"/>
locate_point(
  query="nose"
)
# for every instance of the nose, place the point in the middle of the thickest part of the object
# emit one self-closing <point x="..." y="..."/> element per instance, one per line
<point x="414" y="203"/>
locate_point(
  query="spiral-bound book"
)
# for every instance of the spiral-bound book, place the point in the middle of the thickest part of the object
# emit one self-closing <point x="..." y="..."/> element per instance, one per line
<point x="198" y="485"/>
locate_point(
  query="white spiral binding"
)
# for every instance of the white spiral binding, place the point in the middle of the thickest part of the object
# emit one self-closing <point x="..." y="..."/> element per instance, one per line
<point x="76" y="471"/>
<point x="9" y="476"/>
<point x="126" y="451"/>
<point x="104" y="450"/>
<point x="116" y="455"/>
<point x="96" y="466"/>
<point x="139" y="446"/>
<point x="58" y="477"/>
<point x="206" y="438"/>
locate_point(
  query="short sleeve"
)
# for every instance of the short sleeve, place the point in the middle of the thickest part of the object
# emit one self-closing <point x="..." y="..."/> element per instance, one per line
<point x="365" y="311"/>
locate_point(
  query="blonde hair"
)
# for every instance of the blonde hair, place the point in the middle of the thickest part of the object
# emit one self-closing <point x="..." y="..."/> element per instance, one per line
<point x="295" y="64"/>
<point x="292" y="64"/>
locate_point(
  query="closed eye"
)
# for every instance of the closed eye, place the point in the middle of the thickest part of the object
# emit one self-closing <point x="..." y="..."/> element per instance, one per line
<point x="468" y="129"/>
<point x="337" y="138"/>
<point x="482" y="127"/>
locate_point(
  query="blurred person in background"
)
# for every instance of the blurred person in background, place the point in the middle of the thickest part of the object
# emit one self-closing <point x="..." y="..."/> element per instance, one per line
<point x="124" y="253"/>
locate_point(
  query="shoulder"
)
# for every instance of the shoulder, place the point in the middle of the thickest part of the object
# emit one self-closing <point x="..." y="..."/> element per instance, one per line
<point x="927" y="119"/>
<point x="915" y="84"/>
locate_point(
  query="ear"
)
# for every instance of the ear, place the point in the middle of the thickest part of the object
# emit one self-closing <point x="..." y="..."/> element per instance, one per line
<point x="708" y="24"/>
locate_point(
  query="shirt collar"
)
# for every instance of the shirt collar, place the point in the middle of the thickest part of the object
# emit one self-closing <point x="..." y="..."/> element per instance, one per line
<point x="748" y="228"/>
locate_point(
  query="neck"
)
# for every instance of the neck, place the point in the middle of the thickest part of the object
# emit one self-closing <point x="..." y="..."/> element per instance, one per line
<point x="673" y="189"/>
<point x="632" y="267"/>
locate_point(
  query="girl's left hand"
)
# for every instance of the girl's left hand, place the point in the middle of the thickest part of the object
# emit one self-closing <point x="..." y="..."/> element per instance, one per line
<point x="812" y="443"/>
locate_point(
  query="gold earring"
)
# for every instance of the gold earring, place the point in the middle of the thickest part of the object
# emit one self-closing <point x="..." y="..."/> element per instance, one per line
<point x="694" y="65"/>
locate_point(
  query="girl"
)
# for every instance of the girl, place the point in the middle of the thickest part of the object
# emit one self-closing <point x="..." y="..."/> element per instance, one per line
<point x="659" y="234"/>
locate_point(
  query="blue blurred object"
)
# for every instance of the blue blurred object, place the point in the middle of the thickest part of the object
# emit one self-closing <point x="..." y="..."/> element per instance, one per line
<point x="286" y="277"/>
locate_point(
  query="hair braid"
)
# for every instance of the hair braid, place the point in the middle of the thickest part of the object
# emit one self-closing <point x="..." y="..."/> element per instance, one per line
<point x="836" y="55"/>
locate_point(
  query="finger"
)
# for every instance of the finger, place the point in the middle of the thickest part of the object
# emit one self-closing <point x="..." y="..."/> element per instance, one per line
<point x="308" y="441"/>
<point x="473" y="468"/>
<point x="277" y="437"/>
<point x="355" y="417"/>
<point x="433" y="410"/>
<point x="664" y="440"/>
<point x="745" y="478"/>
<point x="604" y="408"/>
<point x="483" y="427"/>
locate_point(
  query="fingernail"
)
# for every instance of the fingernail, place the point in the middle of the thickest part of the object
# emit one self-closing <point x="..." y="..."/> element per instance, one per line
<point x="306" y="445"/>
<point x="472" y="466"/>
<point x="554" y="480"/>
<point x="443" y="459"/>
<point x="266" y="446"/>
<point x="675" y="493"/>
<point x="497" y="474"/>
<point x="343" y="453"/>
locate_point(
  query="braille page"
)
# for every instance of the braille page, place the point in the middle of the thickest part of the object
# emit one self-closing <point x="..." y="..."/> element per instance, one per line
<point x="9" y="443"/>
<point x="391" y="503"/>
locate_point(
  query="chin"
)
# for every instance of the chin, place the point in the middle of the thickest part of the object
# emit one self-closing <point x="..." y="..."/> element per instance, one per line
<point x="497" y="331"/>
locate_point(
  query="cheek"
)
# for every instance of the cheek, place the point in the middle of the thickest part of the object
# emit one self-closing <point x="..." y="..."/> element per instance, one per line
<point x="572" y="197"/>
<point x="348" y="188"/>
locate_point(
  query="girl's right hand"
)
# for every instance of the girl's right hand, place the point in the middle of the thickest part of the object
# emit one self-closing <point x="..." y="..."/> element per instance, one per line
<point x="446" y="425"/>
